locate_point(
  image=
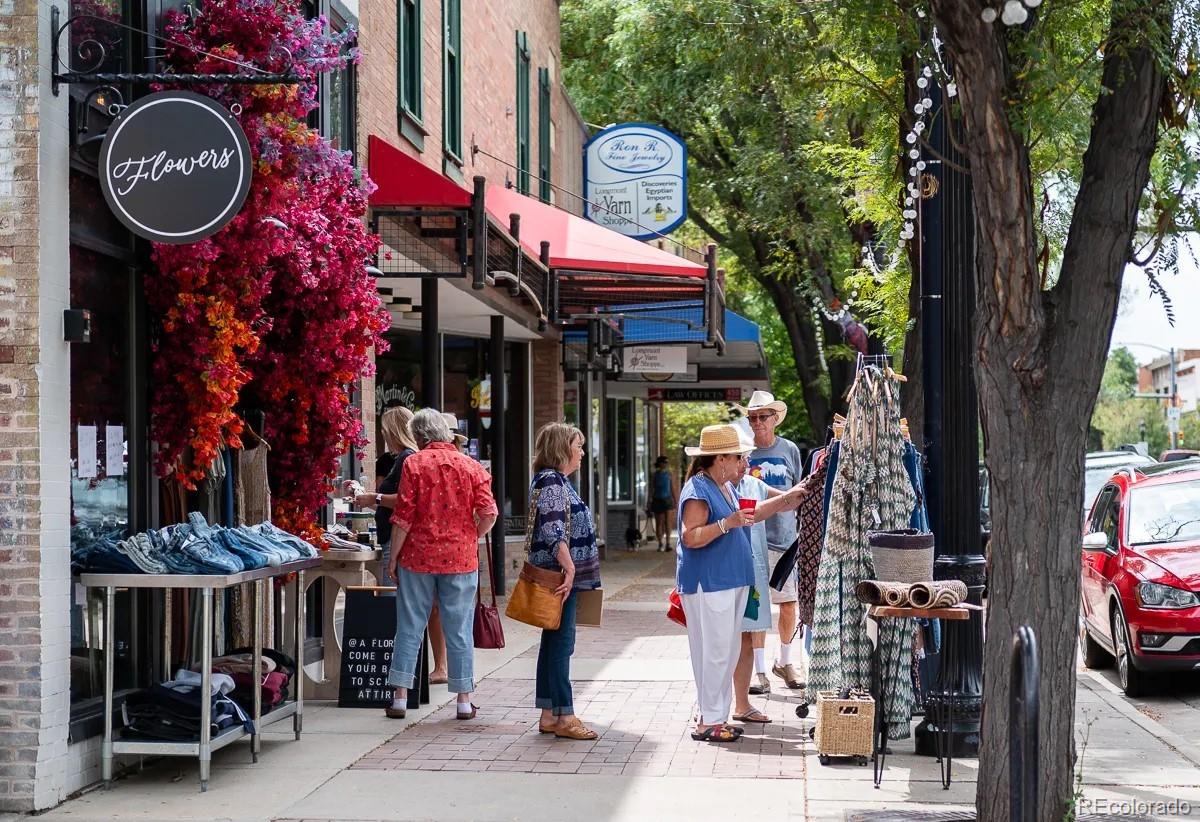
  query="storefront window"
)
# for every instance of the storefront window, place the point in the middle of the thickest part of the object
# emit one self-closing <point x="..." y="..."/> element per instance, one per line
<point x="618" y="455"/>
<point x="100" y="471"/>
<point x="340" y="102"/>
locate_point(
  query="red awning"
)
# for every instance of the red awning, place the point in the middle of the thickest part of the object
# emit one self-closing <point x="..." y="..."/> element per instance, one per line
<point x="579" y="244"/>
<point x="406" y="182"/>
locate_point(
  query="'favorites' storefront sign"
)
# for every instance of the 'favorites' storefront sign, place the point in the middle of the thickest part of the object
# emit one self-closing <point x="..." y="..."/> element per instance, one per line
<point x="175" y="167"/>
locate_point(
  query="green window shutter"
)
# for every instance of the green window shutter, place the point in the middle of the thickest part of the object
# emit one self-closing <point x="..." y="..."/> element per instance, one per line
<point x="408" y="58"/>
<point x="544" y="134"/>
<point x="452" y="78"/>
<point x="523" y="112"/>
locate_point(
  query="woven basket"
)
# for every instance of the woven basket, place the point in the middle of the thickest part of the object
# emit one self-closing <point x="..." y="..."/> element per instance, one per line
<point x="901" y="556"/>
<point x="845" y="726"/>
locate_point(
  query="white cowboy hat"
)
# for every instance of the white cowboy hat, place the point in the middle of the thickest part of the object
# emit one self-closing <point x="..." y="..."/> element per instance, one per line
<point x="719" y="439"/>
<point x="452" y="422"/>
<point x="764" y="399"/>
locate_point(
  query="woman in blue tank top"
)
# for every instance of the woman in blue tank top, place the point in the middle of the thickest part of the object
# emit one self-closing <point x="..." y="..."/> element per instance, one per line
<point x="714" y="573"/>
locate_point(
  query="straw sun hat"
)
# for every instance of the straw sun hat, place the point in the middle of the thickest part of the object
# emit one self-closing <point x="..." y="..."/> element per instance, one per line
<point x="719" y="439"/>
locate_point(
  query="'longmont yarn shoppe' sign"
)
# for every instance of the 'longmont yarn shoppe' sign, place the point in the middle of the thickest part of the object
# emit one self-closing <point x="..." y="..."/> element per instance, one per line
<point x="175" y="167"/>
<point x="635" y="180"/>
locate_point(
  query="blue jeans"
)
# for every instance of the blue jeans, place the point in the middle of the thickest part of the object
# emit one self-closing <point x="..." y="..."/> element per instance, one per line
<point x="554" y="664"/>
<point x="414" y="599"/>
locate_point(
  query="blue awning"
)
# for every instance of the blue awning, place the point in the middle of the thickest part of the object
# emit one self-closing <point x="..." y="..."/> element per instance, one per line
<point x="671" y="323"/>
<point x="684" y="324"/>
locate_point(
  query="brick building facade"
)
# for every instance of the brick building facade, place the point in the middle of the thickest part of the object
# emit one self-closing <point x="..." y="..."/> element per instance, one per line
<point x="35" y="769"/>
<point x="493" y="48"/>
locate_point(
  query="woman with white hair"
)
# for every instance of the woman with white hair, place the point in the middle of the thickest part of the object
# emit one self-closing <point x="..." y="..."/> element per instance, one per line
<point x="400" y="445"/>
<point x="446" y="507"/>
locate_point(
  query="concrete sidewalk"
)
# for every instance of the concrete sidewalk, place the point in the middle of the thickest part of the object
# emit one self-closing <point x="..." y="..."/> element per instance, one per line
<point x="633" y="685"/>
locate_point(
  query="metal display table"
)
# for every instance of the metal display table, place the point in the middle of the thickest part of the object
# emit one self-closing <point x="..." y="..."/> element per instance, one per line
<point x="206" y="584"/>
<point x="879" y="758"/>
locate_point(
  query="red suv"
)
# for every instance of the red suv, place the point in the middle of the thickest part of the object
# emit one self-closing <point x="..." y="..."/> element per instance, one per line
<point x="1141" y="574"/>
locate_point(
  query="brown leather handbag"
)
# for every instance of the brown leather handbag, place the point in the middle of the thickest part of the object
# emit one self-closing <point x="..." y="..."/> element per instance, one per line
<point x="489" y="632"/>
<point x="533" y="600"/>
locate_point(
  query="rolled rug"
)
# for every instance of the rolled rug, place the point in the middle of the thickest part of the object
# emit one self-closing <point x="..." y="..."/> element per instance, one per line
<point x="895" y="594"/>
<point x="869" y="592"/>
<point x="949" y="593"/>
<point x="937" y="594"/>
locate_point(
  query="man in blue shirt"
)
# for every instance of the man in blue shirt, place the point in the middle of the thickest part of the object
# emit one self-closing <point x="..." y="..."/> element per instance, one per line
<point x="777" y="462"/>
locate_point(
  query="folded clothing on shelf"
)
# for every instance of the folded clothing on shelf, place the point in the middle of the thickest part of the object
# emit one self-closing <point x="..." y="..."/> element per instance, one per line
<point x="274" y="679"/>
<point x="171" y="711"/>
<point x="192" y="547"/>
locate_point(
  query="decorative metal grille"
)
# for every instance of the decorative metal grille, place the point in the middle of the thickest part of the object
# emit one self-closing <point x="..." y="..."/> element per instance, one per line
<point x="418" y="243"/>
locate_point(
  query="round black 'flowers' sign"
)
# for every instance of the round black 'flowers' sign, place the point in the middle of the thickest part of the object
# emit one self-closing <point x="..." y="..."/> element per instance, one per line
<point x="175" y="167"/>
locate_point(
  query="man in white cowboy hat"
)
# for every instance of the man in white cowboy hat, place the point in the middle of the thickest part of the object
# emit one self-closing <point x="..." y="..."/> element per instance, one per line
<point x="460" y="439"/>
<point x="777" y="462"/>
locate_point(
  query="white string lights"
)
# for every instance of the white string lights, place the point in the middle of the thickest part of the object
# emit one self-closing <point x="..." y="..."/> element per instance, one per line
<point x="1012" y="13"/>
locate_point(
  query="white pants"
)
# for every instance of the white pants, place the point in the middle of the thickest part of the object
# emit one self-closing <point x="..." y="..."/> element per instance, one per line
<point x="714" y="626"/>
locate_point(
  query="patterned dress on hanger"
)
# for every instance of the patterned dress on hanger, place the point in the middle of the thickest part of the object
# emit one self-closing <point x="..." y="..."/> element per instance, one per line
<point x="871" y="492"/>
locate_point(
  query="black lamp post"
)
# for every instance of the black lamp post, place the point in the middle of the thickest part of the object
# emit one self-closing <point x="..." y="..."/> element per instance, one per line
<point x="947" y="272"/>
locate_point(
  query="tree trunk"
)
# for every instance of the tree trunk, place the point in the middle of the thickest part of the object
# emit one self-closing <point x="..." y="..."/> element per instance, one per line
<point x="1041" y="355"/>
<point x="803" y="337"/>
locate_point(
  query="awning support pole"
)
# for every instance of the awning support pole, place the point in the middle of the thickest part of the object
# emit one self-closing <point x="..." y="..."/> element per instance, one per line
<point x="514" y="228"/>
<point x="710" y="294"/>
<point x="479" y="230"/>
<point x="431" y="348"/>
<point x="551" y="296"/>
<point x="499" y="456"/>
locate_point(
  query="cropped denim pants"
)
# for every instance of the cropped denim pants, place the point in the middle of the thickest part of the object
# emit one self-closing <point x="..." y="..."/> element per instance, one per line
<point x="554" y="664"/>
<point x="456" y="599"/>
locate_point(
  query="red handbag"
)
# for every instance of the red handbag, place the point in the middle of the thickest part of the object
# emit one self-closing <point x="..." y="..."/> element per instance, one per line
<point x="675" y="608"/>
<point x="488" y="631"/>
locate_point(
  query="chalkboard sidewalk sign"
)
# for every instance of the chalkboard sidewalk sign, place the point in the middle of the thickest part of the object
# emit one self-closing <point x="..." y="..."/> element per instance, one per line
<point x="367" y="634"/>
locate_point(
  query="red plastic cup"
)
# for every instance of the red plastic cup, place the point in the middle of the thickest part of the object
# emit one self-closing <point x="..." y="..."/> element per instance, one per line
<point x="747" y="504"/>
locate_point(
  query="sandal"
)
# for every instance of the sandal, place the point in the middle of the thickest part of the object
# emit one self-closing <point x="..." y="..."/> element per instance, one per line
<point x="460" y="715"/>
<point x="575" y="730"/>
<point x="439" y="679"/>
<point x="753" y="715"/>
<point x="717" y="733"/>
<point x="542" y="729"/>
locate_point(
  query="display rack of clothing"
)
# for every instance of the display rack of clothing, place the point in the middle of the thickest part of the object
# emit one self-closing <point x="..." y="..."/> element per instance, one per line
<point x="868" y="488"/>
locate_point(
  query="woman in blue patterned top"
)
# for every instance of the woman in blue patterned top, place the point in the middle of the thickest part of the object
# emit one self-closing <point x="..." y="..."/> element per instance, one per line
<point x="563" y="538"/>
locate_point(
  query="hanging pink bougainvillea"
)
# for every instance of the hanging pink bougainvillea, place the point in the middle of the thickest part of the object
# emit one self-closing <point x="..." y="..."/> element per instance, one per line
<point x="276" y="311"/>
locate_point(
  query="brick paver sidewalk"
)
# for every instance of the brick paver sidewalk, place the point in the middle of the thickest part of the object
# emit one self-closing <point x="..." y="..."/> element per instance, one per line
<point x="644" y="726"/>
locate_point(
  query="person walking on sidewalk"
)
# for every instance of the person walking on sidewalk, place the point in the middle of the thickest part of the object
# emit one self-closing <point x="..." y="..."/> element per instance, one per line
<point x="714" y="572"/>
<point x="447" y="506"/>
<point x="563" y="538"/>
<point x="769" y="502"/>
<point x="777" y="462"/>
<point x="661" y="503"/>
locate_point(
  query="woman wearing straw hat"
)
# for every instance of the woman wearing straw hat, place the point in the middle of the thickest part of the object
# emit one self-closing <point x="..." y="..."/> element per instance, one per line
<point x="714" y="572"/>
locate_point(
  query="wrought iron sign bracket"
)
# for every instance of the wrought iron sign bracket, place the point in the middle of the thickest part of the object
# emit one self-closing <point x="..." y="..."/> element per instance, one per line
<point x="94" y="53"/>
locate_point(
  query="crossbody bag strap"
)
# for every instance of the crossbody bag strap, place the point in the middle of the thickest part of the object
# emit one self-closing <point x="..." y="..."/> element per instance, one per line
<point x="531" y="519"/>
<point x="487" y="558"/>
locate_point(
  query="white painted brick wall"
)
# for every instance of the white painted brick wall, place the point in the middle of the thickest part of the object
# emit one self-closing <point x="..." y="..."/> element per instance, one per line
<point x="55" y="758"/>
